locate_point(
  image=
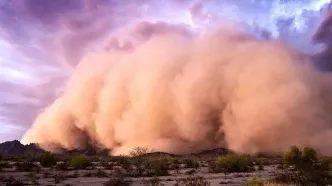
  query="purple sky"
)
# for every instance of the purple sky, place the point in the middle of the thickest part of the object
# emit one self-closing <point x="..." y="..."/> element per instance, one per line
<point x="41" y="41"/>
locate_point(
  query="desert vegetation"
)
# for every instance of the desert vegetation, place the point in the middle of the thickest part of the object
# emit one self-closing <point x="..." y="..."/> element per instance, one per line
<point x="142" y="167"/>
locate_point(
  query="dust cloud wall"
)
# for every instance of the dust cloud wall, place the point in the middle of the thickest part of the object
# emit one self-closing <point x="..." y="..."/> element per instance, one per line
<point x="181" y="92"/>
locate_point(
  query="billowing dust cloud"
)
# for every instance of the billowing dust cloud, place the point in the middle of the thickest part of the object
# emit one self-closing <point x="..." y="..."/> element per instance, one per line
<point x="182" y="93"/>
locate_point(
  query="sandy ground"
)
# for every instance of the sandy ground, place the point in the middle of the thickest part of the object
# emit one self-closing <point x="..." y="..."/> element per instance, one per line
<point x="231" y="179"/>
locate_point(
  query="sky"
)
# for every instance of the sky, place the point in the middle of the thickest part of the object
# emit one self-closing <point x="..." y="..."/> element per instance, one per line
<point x="41" y="41"/>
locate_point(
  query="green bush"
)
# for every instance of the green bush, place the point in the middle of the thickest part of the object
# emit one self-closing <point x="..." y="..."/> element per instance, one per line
<point x="304" y="168"/>
<point x="47" y="160"/>
<point x="255" y="182"/>
<point x="233" y="163"/>
<point x="80" y="162"/>
<point x="156" y="165"/>
<point x="293" y="157"/>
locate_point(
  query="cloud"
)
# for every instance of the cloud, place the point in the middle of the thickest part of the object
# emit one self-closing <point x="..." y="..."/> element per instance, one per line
<point x="42" y="42"/>
<point x="180" y="94"/>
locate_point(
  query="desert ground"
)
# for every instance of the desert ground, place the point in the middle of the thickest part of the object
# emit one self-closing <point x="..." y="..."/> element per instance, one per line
<point x="156" y="169"/>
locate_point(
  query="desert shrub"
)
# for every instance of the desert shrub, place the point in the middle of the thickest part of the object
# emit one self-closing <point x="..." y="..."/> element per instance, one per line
<point x="158" y="166"/>
<point x="62" y="166"/>
<point x="174" y="163"/>
<point x="138" y="151"/>
<point x="293" y="157"/>
<point x="117" y="180"/>
<point x="88" y="174"/>
<point x="233" y="163"/>
<point x="47" y="174"/>
<point x="75" y="174"/>
<point x="153" y="182"/>
<point x="11" y="181"/>
<point x="118" y="159"/>
<point x="175" y="167"/>
<point x="258" y="162"/>
<point x="255" y="182"/>
<point x="190" y="163"/>
<point x="57" y="180"/>
<point x="122" y="161"/>
<point x="137" y="166"/>
<point x="59" y="177"/>
<point x="280" y="167"/>
<point x="212" y="167"/>
<point x="174" y="160"/>
<point x="26" y="167"/>
<point x="33" y="178"/>
<point x="193" y="181"/>
<point x="2" y="178"/>
<point x="80" y="162"/>
<point x="107" y="165"/>
<point x="260" y="167"/>
<point x="304" y="168"/>
<point x="47" y="160"/>
<point x="12" y="158"/>
<point x="95" y="159"/>
<point x="100" y="173"/>
<point x="5" y="165"/>
<point x="190" y="172"/>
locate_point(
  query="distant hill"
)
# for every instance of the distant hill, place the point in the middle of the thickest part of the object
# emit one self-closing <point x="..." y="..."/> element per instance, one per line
<point x="15" y="148"/>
